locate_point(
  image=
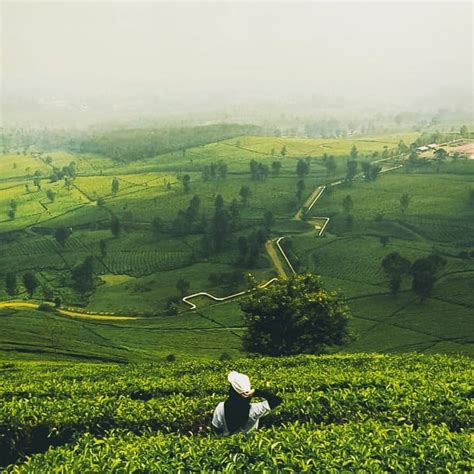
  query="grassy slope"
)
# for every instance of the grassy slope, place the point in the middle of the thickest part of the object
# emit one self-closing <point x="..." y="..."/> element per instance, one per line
<point x="139" y="274"/>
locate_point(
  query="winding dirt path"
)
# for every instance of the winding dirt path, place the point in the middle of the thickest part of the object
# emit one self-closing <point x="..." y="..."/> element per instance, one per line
<point x="67" y="312"/>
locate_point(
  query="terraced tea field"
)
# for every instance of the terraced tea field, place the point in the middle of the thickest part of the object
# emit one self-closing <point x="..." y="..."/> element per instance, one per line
<point x="378" y="413"/>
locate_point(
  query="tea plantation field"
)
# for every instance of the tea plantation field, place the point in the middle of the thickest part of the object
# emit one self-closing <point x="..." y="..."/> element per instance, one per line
<point x="376" y="413"/>
<point x="136" y="272"/>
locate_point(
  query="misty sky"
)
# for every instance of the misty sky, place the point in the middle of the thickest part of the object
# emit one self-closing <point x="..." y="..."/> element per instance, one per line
<point x="257" y="50"/>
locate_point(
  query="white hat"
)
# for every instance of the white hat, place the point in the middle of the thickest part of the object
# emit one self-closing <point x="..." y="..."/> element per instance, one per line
<point x="240" y="383"/>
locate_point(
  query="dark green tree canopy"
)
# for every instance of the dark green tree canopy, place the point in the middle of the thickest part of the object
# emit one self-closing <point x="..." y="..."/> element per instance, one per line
<point x="294" y="316"/>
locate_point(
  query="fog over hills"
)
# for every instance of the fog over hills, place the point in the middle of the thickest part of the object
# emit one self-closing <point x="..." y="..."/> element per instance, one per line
<point x="81" y="63"/>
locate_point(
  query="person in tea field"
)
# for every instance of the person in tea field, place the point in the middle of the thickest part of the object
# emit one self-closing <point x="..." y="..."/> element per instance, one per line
<point x="237" y="414"/>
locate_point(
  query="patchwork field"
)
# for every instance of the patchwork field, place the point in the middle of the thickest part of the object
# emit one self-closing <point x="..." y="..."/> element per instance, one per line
<point x="137" y="271"/>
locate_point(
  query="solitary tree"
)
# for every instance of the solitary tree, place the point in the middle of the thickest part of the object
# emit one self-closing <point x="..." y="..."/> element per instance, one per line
<point x="243" y="248"/>
<point x="83" y="275"/>
<point x="302" y="168"/>
<point x="103" y="248"/>
<point x="115" y="186"/>
<point x="294" y="316"/>
<point x="245" y="194"/>
<point x="51" y="195"/>
<point x="183" y="286"/>
<point x="404" y="201"/>
<point x="30" y="283"/>
<point x="464" y="131"/>
<point x="115" y="226"/>
<point x="384" y="240"/>
<point x="186" y="180"/>
<point x="276" y="167"/>
<point x="330" y="164"/>
<point x="283" y="151"/>
<point x="37" y="182"/>
<point x="347" y="204"/>
<point x="299" y="189"/>
<point x="61" y="234"/>
<point x="395" y="266"/>
<point x="268" y="220"/>
<point x="219" y="202"/>
<point x="10" y="284"/>
<point x="441" y="154"/>
<point x="354" y="153"/>
<point x="351" y="170"/>
<point x="424" y="272"/>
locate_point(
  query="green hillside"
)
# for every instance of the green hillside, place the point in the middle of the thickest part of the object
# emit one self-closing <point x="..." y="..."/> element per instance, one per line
<point x="136" y="271"/>
<point x="373" y="412"/>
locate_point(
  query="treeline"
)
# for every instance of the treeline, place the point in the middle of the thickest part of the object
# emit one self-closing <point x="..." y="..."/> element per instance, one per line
<point x="136" y="144"/>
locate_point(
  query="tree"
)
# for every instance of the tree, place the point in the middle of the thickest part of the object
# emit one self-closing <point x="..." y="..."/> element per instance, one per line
<point x="464" y="132"/>
<point x="283" y="151"/>
<point x="186" y="180"/>
<point x="235" y="214"/>
<point x="221" y="226"/>
<point x="384" y="240"/>
<point x="192" y="212"/>
<point x="302" y="168"/>
<point x="268" y="220"/>
<point x="10" y="284"/>
<point x="243" y="248"/>
<point x="366" y="169"/>
<point x="37" y="182"/>
<point x="245" y="194"/>
<point x="424" y="272"/>
<point x="83" y="275"/>
<point x="222" y="169"/>
<point x="13" y="204"/>
<point x="51" y="195"/>
<point x="354" y="153"/>
<point x="374" y="171"/>
<point x="183" y="286"/>
<point x="30" y="282"/>
<point x="441" y="154"/>
<point x="330" y="164"/>
<point x="347" y="204"/>
<point x="276" y="167"/>
<point x="61" y="234"/>
<point x="115" y="186"/>
<point x="299" y="189"/>
<point x="294" y="316"/>
<point x="115" y="226"/>
<point x="404" y="201"/>
<point x="103" y="248"/>
<point x="402" y="148"/>
<point x="157" y="227"/>
<point x="351" y="170"/>
<point x="219" y="202"/>
<point x="11" y="214"/>
<point x="395" y="266"/>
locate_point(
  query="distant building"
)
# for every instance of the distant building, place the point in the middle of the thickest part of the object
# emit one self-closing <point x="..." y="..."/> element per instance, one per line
<point x="423" y="148"/>
<point x="432" y="146"/>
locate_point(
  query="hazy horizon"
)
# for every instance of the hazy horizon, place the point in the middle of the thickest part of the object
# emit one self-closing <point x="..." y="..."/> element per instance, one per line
<point x="107" y="59"/>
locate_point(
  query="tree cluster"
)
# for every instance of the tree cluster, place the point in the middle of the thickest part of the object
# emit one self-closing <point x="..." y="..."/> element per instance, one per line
<point x="423" y="272"/>
<point x="258" y="171"/>
<point x="215" y="171"/>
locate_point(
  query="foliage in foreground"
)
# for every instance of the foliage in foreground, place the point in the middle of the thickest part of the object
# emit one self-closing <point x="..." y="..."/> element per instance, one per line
<point x="294" y="316"/>
<point x="394" y="413"/>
